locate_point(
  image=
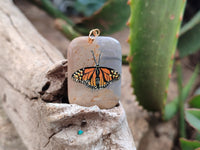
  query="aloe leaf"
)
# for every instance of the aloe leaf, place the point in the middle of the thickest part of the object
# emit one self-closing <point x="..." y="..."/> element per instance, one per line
<point x="195" y="101"/>
<point x="190" y="83"/>
<point x="189" y="145"/>
<point x="189" y="41"/>
<point x="109" y="19"/>
<point x="193" y="118"/>
<point x="191" y="24"/>
<point x="180" y="101"/>
<point x="154" y="28"/>
<point x="172" y="107"/>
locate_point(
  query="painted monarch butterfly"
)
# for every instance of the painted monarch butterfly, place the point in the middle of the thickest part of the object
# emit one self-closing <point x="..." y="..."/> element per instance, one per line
<point x="96" y="77"/>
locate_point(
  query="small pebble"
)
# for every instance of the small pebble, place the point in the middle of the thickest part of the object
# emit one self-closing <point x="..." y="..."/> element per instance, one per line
<point x="80" y="132"/>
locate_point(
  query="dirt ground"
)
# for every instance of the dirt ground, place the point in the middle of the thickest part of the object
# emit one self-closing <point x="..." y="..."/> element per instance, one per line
<point x="149" y="133"/>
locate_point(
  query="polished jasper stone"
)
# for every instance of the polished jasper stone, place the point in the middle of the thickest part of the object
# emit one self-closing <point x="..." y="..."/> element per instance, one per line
<point x="79" y="57"/>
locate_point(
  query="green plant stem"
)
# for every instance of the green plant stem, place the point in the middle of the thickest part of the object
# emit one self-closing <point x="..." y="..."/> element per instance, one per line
<point x="66" y="29"/>
<point x="124" y="60"/>
<point x="48" y="6"/>
<point x="181" y="102"/>
<point x="70" y="30"/>
<point x="172" y="107"/>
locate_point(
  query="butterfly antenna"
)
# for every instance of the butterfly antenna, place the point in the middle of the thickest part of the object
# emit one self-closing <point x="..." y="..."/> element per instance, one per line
<point x="99" y="58"/>
<point x="94" y="57"/>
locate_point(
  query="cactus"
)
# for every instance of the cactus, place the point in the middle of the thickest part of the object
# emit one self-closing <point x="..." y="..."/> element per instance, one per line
<point x="154" y="31"/>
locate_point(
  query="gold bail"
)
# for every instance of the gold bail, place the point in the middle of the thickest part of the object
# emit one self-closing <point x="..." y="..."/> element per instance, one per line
<point x="93" y="34"/>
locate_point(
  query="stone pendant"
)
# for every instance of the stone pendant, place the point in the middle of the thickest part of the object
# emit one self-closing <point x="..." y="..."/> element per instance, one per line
<point x="94" y="72"/>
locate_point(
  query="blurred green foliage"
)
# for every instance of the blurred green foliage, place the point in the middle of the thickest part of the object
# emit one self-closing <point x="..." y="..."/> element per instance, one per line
<point x="189" y="145"/>
<point x="189" y="41"/>
<point x="195" y="101"/>
<point x="172" y="107"/>
<point x="88" y="7"/>
<point x="112" y="17"/>
<point x="193" y="117"/>
<point x="107" y="15"/>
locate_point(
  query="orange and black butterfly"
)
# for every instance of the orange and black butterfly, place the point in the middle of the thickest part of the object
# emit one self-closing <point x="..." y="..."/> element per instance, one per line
<point x="96" y="77"/>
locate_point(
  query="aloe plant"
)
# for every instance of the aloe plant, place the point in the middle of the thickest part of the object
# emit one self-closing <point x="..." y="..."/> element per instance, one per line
<point x="182" y="131"/>
<point x="172" y="107"/>
<point x="189" y="145"/>
<point x="192" y="116"/>
<point x="189" y="41"/>
<point x="154" y="29"/>
<point x="195" y="101"/>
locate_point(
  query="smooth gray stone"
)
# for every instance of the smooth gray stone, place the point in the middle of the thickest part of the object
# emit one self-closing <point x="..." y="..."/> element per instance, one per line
<point x="112" y="58"/>
<point x="79" y="57"/>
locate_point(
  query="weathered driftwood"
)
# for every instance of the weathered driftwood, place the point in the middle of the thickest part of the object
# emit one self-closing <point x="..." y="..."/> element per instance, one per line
<point x="32" y="74"/>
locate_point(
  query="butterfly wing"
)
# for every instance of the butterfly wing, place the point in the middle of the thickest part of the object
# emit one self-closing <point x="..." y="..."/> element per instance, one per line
<point x="86" y="76"/>
<point x="106" y="76"/>
<point x="96" y="77"/>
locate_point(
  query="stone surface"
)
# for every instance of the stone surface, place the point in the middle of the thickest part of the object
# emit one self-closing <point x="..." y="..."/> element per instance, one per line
<point x="104" y="129"/>
<point x="80" y="56"/>
<point x="160" y="136"/>
<point x="137" y="117"/>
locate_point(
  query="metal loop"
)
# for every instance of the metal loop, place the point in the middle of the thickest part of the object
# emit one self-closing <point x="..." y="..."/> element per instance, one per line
<point x="93" y="34"/>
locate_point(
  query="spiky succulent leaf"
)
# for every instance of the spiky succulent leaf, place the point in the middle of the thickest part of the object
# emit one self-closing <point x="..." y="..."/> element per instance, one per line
<point x="154" y="28"/>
